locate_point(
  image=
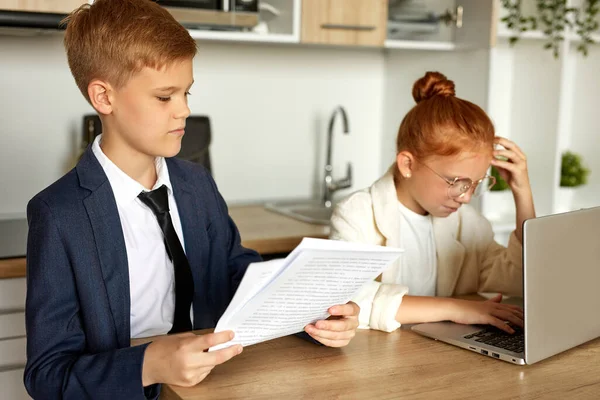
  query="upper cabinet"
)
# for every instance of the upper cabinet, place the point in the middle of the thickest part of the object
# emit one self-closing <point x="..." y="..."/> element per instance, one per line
<point x="46" y="6"/>
<point x="402" y="24"/>
<point x="440" y="24"/>
<point x="344" y="22"/>
<point x="414" y="24"/>
<point x="475" y="23"/>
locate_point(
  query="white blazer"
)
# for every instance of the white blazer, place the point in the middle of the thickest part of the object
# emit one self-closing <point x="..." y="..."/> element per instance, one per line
<point x="469" y="260"/>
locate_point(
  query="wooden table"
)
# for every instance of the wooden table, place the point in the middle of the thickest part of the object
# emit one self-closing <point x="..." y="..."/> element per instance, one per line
<point x="402" y="364"/>
<point x="261" y="230"/>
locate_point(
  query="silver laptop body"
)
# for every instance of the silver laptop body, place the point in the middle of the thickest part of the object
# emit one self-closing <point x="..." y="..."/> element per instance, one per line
<point x="561" y="261"/>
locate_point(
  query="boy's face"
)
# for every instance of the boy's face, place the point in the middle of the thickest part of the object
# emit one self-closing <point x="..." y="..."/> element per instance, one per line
<point x="149" y="112"/>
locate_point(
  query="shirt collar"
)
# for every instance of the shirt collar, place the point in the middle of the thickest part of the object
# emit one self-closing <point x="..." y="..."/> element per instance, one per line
<point x="125" y="188"/>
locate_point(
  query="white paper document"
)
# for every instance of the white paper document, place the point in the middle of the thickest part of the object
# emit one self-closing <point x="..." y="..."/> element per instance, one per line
<point x="280" y="297"/>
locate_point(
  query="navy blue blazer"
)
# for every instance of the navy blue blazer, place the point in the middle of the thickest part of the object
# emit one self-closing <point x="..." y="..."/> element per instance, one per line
<point x="78" y="304"/>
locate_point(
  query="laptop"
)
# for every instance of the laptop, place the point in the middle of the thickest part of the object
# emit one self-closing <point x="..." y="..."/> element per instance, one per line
<point x="561" y="271"/>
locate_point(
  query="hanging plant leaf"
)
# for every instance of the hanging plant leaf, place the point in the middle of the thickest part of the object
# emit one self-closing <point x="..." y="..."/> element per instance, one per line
<point x="554" y="17"/>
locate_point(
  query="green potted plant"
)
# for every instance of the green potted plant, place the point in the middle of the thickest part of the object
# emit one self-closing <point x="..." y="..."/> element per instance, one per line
<point x="498" y="204"/>
<point x="572" y="171"/>
<point x="572" y="175"/>
<point x="500" y="183"/>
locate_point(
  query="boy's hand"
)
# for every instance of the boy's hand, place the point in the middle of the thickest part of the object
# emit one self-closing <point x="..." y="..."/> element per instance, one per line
<point x="337" y="330"/>
<point x="490" y="312"/>
<point x="182" y="359"/>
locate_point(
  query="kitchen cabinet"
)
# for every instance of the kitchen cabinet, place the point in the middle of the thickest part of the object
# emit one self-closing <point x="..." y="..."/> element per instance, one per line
<point x="344" y="22"/>
<point x="45" y="6"/>
<point x="12" y="338"/>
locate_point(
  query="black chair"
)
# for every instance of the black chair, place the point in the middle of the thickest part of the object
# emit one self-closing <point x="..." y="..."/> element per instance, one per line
<point x="194" y="144"/>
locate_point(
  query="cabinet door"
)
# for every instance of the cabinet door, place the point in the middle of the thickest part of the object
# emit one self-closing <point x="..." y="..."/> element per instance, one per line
<point x="12" y="339"/>
<point x="344" y="22"/>
<point x="48" y="6"/>
<point x="11" y="382"/>
<point x="477" y="23"/>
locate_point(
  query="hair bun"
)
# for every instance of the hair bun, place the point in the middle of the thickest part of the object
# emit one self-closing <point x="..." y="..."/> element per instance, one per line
<point x="432" y="84"/>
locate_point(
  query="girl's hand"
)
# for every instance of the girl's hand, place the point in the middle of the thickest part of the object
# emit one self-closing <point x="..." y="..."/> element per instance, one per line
<point x="339" y="329"/>
<point x="514" y="169"/>
<point x="490" y="312"/>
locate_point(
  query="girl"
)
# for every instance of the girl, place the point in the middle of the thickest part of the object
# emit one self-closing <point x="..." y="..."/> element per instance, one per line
<point x="444" y="148"/>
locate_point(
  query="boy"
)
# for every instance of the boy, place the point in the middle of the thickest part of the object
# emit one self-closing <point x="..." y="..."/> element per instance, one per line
<point x="132" y="242"/>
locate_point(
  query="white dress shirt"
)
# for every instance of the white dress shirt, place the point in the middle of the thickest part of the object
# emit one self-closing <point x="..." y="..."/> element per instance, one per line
<point x="418" y="266"/>
<point x="151" y="274"/>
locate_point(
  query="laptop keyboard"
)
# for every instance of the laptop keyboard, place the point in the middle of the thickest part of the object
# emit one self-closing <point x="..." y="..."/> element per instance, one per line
<point x="495" y="337"/>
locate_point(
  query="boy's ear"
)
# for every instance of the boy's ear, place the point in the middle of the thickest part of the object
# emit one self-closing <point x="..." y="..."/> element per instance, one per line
<point x="404" y="163"/>
<point x="99" y="91"/>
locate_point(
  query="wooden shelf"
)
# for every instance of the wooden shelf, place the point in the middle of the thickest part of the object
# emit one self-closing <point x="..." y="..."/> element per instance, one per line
<point x="12" y="268"/>
<point x="213" y="17"/>
<point x="504" y="33"/>
<point x="419" y="45"/>
<point x="243" y="36"/>
<point x="533" y="35"/>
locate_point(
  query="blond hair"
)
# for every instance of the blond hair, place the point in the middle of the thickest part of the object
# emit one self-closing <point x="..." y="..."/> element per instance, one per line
<point x="112" y="40"/>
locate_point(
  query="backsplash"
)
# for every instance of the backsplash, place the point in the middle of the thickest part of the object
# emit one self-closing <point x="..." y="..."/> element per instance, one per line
<point x="269" y="107"/>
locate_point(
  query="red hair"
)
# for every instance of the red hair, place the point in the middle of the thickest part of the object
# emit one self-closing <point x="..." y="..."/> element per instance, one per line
<point x="441" y="123"/>
<point x="113" y="39"/>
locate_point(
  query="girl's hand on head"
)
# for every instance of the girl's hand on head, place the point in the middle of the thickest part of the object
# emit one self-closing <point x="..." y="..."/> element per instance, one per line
<point x="512" y="166"/>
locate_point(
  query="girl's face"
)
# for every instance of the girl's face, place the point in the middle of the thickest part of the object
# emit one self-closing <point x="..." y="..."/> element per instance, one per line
<point x="426" y="189"/>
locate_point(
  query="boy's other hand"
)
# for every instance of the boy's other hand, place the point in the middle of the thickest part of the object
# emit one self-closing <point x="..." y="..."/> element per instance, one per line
<point x="183" y="359"/>
<point x="337" y="330"/>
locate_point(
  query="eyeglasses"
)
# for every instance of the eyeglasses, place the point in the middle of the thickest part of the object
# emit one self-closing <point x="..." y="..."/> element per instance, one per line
<point x="458" y="187"/>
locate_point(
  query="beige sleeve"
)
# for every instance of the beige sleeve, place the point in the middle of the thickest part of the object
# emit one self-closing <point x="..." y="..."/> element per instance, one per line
<point x="379" y="303"/>
<point x="501" y="267"/>
<point x="352" y="221"/>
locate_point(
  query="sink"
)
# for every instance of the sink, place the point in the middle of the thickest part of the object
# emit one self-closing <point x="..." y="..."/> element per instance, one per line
<point x="308" y="211"/>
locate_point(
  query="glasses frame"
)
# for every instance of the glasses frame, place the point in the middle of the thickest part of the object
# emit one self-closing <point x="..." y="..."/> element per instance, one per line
<point x="472" y="185"/>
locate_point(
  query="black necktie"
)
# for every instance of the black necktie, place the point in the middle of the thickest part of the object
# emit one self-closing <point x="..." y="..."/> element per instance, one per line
<point x="158" y="201"/>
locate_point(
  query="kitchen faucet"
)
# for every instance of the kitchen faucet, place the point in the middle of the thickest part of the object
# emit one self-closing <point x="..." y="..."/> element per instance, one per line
<point x="330" y="186"/>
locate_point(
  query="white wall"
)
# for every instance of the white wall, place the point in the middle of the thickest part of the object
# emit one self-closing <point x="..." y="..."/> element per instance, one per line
<point x="584" y="129"/>
<point x="269" y="107"/>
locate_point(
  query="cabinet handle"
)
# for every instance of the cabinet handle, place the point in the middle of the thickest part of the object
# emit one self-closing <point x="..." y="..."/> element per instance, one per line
<point x="349" y="27"/>
<point x="11" y="311"/>
<point x="459" y="17"/>
<point x="12" y="367"/>
<point x="455" y="17"/>
<point x="12" y="337"/>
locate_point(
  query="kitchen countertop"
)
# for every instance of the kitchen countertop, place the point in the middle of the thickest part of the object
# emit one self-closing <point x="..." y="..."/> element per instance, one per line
<point x="261" y="230"/>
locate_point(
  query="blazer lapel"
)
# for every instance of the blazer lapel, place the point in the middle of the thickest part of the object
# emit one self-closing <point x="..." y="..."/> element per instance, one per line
<point x="387" y="218"/>
<point x="450" y="253"/>
<point x="102" y="211"/>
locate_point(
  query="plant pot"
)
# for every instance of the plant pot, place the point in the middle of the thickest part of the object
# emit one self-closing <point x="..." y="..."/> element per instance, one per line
<point x="564" y="199"/>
